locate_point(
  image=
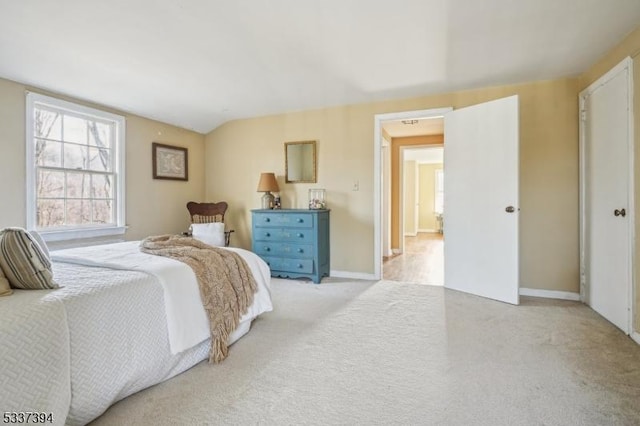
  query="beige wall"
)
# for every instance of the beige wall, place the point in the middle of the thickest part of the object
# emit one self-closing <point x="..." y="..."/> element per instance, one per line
<point x="630" y="46"/>
<point x="153" y="206"/>
<point x="427" y="196"/>
<point x="238" y="151"/>
<point x="410" y="200"/>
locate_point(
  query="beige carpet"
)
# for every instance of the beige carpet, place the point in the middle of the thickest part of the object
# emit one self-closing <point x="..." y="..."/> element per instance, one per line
<point x="351" y="353"/>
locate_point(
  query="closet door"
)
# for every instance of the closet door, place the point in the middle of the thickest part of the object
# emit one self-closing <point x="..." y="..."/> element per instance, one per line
<point x="607" y="209"/>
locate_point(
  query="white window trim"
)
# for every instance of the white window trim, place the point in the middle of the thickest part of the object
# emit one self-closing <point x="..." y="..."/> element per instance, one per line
<point x="81" y="232"/>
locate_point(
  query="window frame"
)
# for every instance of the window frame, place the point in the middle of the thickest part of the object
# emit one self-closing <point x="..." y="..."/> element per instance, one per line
<point x="33" y="100"/>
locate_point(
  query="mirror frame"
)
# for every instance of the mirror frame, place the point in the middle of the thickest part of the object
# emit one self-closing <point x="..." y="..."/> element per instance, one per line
<point x="314" y="177"/>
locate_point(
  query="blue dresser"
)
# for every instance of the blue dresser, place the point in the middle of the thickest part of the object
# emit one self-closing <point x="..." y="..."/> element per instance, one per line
<point x="294" y="242"/>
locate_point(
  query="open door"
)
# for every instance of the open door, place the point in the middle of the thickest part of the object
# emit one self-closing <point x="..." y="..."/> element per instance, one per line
<point x="481" y="200"/>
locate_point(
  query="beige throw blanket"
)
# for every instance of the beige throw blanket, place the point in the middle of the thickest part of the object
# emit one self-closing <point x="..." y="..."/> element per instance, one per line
<point x="226" y="283"/>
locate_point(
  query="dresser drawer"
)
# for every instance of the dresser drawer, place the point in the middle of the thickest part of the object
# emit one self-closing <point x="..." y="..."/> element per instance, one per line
<point x="279" y="220"/>
<point x="267" y="248"/>
<point x="289" y="265"/>
<point x="284" y="235"/>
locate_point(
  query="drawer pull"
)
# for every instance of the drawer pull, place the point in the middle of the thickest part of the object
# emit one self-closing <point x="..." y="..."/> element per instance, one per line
<point x="300" y="220"/>
<point x="267" y="234"/>
<point x="300" y="250"/>
<point x="267" y="249"/>
<point x="300" y="265"/>
<point x="300" y="235"/>
<point x="267" y="219"/>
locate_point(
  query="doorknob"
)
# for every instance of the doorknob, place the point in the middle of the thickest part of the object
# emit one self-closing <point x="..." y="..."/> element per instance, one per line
<point x="621" y="212"/>
<point x="510" y="209"/>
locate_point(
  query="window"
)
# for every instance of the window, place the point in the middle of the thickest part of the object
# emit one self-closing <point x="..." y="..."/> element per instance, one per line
<point x="439" y="198"/>
<point x="75" y="169"/>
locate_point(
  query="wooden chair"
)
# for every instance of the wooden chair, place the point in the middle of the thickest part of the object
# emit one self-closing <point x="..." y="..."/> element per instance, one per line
<point x="208" y="213"/>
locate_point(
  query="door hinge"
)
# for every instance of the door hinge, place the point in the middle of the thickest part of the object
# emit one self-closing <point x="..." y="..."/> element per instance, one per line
<point x="583" y="115"/>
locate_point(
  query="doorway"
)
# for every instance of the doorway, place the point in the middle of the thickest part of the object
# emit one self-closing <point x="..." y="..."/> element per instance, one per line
<point x="481" y="196"/>
<point x="418" y="196"/>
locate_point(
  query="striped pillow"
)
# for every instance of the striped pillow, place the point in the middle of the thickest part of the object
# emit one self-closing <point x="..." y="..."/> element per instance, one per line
<point x="23" y="262"/>
<point x="38" y="239"/>
<point x="5" y="288"/>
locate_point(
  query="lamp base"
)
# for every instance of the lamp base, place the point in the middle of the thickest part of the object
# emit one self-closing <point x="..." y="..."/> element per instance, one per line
<point x="268" y="200"/>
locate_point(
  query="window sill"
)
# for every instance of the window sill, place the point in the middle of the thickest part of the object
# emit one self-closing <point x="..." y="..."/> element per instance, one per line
<point x="78" y="234"/>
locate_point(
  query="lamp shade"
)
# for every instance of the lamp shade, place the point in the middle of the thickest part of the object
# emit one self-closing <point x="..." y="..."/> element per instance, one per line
<point x="268" y="183"/>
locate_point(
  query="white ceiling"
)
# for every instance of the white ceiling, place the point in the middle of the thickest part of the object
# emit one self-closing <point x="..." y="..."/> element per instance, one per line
<point x="406" y="128"/>
<point x="199" y="63"/>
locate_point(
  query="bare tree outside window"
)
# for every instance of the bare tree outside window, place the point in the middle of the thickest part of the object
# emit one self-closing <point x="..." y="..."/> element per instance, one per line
<point x="74" y="170"/>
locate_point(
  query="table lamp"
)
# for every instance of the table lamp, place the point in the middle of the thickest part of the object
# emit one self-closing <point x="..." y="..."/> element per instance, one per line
<point x="267" y="184"/>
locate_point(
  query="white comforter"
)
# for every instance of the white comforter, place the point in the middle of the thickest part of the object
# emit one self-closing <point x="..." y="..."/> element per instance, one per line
<point x="187" y="321"/>
<point x="32" y="324"/>
<point x="103" y="336"/>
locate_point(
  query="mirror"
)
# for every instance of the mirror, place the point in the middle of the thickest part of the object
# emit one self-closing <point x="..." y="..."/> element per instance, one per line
<point x="300" y="162"/>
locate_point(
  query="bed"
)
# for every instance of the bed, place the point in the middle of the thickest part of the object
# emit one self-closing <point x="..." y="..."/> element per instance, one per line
<point x="122" y="321"/>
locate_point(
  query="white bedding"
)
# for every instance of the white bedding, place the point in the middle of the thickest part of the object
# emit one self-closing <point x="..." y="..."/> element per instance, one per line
<point x="30" y="321"/>
<point x="187" y="321"/>
<point x="103" y="336"/>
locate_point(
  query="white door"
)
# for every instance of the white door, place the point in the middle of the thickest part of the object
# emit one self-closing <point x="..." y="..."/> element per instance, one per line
<point x="481" y="200"/>
<point x="605" y="185"/>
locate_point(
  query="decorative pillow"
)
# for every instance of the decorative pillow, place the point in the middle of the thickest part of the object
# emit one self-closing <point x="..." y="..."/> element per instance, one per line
<point x="23" y="261"/>
<point x="5" y="288"/>
<point x="36" y="236"/>
<point x="209" y="233"/>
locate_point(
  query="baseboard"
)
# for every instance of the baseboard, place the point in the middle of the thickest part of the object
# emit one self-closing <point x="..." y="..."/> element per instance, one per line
<point x="352" y="275"/>
<point x="410" y="234"/>
<point x="635" y="336"/>
<point x="428" y="231"/>
<point x="550" y="294"/>
<point x="395" y="251"/>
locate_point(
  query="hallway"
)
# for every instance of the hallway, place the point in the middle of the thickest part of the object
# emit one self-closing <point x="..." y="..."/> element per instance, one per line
<point x="421" y="263"/>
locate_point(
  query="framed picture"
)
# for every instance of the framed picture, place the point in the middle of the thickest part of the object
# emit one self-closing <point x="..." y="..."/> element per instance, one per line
<point x="170" y="162"/>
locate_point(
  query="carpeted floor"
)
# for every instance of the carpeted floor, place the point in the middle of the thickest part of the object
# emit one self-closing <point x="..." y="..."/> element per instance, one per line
<point x="363" y="353"/>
